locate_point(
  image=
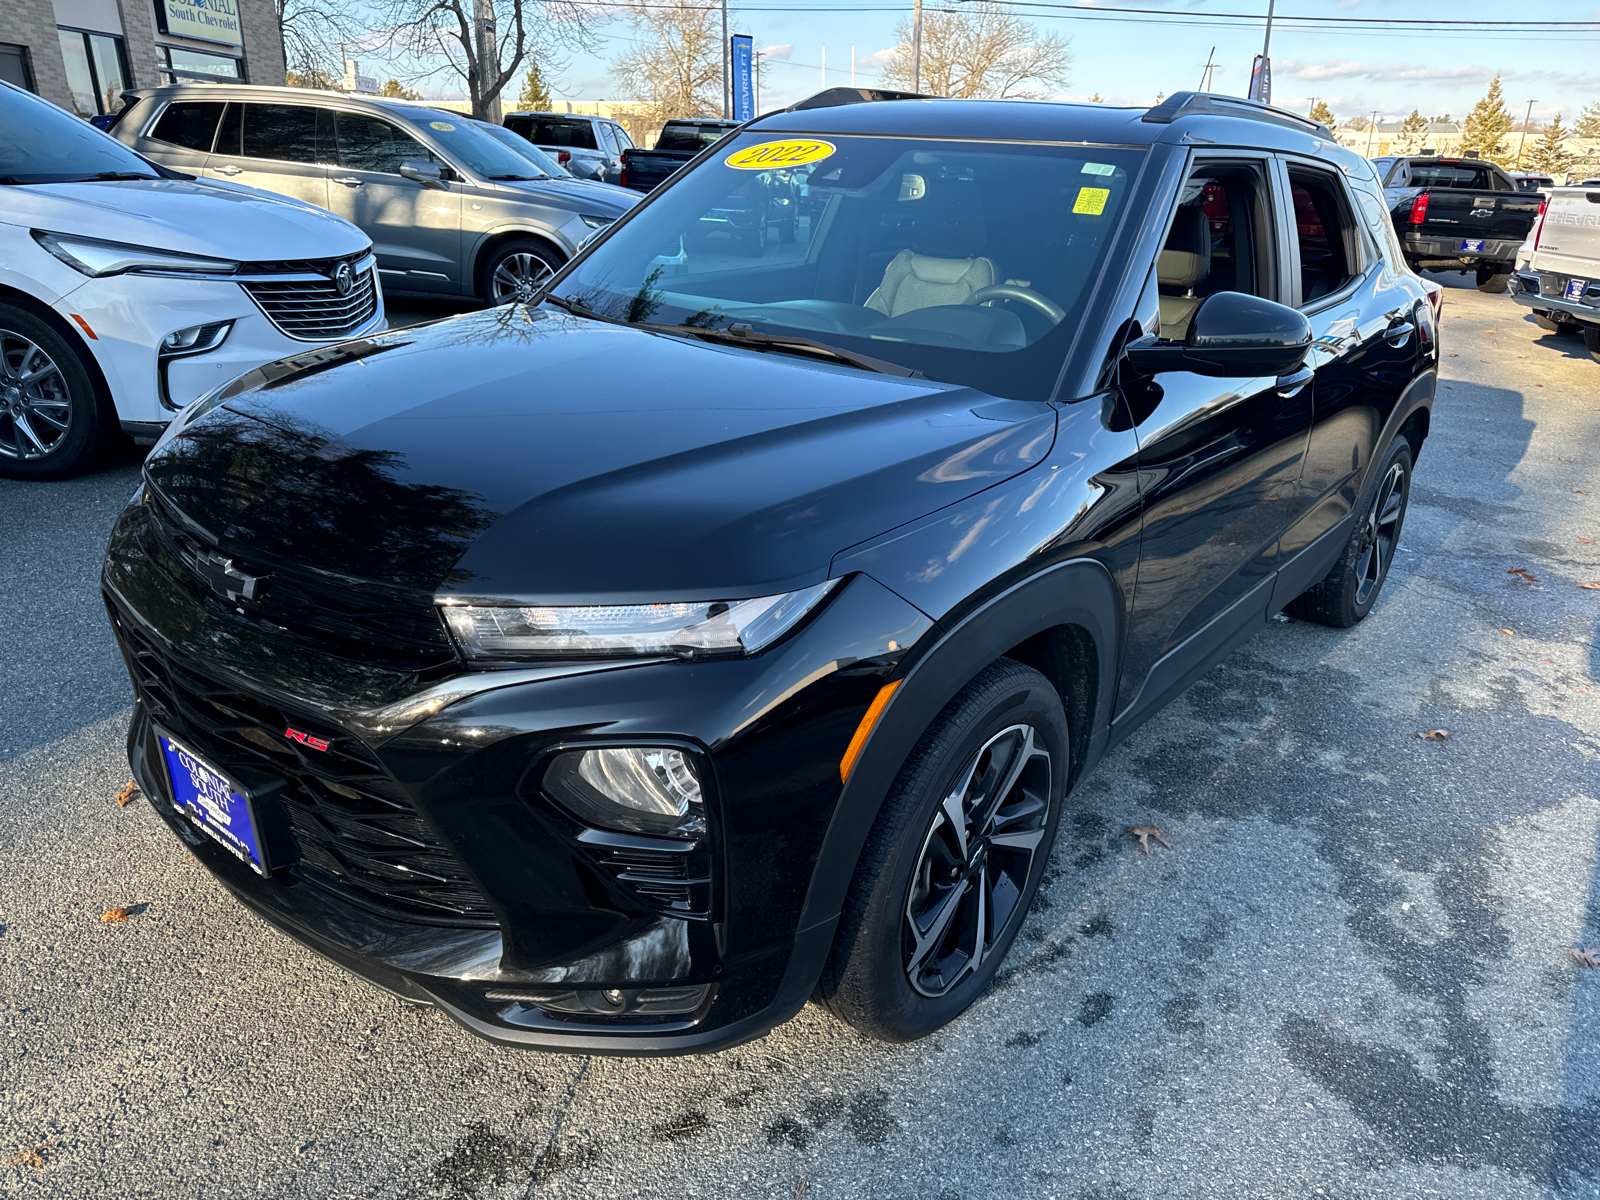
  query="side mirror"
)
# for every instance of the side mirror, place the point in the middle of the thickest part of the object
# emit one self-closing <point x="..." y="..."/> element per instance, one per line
<point x="1231" y="334"/>
<point x="419" y="171"/>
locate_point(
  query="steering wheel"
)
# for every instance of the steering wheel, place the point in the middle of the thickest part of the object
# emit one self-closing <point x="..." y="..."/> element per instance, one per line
<point x="1011" y="291"/>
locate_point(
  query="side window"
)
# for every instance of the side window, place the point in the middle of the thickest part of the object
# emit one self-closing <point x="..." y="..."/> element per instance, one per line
<point x="607" y="142"/>
<point x="622" y="137"/>
<point x="191" y="124"/>
<point x="286" y="132"/>
<point x="1328" y="249"/>
<point x="1379" y="224"/>
<point x="370" y="144"/>
<point x="1221" y="240"/>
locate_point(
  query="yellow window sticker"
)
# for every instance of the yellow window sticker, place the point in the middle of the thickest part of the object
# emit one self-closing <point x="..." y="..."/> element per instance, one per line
<point x="1091" y="201"/>
<point x="768" y="155"/>
<point x="442" y="126"/>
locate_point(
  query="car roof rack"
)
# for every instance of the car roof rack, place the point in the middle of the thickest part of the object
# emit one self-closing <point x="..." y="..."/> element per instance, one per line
<point x="1188" y="104"/>
<point x="835" y="96"/>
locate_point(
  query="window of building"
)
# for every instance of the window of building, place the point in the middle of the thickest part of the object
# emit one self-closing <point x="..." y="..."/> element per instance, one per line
<point x="14" y="66"/>
<point x="195" y="66"/>
<point x="97" y="71"/>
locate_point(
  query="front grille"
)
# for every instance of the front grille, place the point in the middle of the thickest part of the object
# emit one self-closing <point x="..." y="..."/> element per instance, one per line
<point x="358" y="834"/>
<point x="312" y="310"/>
<point x="666" y="880"/>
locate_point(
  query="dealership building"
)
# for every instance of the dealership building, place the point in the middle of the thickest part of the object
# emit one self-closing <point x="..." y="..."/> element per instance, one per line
<point x="81" y="54"/>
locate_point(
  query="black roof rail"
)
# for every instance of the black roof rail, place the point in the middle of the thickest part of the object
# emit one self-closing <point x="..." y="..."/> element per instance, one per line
<point x="835" y="96"/>
<point x="1187" y="104"/>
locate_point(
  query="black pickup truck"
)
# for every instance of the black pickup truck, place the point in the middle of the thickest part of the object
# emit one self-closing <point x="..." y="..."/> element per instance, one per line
<point x="680" y="141"/>
<point x="1458" y="214"/>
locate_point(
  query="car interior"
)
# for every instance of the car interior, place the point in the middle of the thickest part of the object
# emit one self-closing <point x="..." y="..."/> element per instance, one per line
<point x="1325" y="231"/>
<point x="1220" y="241"/>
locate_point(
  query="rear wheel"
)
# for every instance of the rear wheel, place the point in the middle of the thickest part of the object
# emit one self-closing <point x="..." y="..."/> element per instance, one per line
<point x="515" y="271"/>
<point x="1591" y="341"/>
<point x="52" y="421"/>
<point x="1348" y="592"/>
<point x="1490" y="280"/>
<point x="954" y="859"/>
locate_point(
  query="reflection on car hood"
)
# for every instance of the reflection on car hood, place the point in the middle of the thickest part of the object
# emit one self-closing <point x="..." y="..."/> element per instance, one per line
<point x="519" y="452"/>
<point x="189" y="216"/>
<point x="590" y="195"/>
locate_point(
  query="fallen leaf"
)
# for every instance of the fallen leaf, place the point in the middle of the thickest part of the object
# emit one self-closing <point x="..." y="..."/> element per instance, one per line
<point x="1455" y="356"/>
<point x="1585" y="541"/>
<point x="1585" y="958"/>
<point x="1591" y="584"/>
<point x="1144" y="833"/>
<point x="1434" y="735"/>
<point x="1566" y="460"/>
<point x="1522" y="572"/>
<point x="115" y="914"/>
<point x="1580" y="491"/>
<point x="1508" y="633"/>
<point x="33" y="1158"/>
<point x="127" y="794"/>
<point x="1488" y="331"/>
<point x="1550" y="660"/>
<point x="1272" y="497"/>
<point x="1582" y="687"/>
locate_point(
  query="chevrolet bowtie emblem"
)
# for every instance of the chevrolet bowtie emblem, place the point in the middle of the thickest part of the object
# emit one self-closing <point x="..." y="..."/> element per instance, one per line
<point x="228" y="579"/>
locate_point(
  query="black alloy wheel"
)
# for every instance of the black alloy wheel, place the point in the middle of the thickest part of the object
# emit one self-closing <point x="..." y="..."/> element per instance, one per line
<point x="954" y="858"/>
<point x="1351" y="588"/>
<point x="51" y="416"/>
<point x="517" y="271"/>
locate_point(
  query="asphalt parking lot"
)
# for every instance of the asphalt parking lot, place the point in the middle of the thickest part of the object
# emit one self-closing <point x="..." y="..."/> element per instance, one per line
<point x="1347" y="978"/>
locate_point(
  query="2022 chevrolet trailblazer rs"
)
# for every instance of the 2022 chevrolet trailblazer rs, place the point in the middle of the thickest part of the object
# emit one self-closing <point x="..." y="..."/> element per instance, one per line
<point x="620" y="670"/>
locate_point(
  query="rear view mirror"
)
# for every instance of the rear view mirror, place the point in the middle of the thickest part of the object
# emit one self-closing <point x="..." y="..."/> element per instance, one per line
<point x="419" y="171"/>
<point x="1234" y="334"/>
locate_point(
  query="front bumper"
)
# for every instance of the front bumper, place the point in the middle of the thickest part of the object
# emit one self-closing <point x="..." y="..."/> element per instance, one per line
<point x="535" y="905"/>
<point x="1546" y="292"/>
<point x="1494" y="250"/>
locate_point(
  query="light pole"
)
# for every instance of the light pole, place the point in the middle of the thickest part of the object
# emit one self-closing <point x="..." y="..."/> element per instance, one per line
<point x="916" y="46"/>
<point x="1372" y="129"/>
<point x="1526" y="117"/>
<point x="727" y="82"/>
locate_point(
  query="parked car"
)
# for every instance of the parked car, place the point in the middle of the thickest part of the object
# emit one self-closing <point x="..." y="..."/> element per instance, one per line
<point x="651" y="659"/>
<point x="1458" y="214"/>
<point x="644" y="170"/>
<point x="589" y="147"/>
<point x="128" y="289"/>
<point x="1558" y="270"/>
<point x="451" y="209"/>
<point x="1527" y="182"/>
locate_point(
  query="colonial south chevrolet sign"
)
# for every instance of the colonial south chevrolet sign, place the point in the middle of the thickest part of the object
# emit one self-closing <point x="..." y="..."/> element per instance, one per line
<point x="209" y="20"/>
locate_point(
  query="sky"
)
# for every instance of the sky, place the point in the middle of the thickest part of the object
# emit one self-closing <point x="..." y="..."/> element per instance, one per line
<point x="1128" y="58"/>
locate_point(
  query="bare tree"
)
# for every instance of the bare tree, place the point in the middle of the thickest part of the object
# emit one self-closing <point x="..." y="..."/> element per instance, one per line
<point x="675" y="65"/>
<point x="485" y="47"/>
<point x="312" y="32"/>
<point x="978" y="51"/>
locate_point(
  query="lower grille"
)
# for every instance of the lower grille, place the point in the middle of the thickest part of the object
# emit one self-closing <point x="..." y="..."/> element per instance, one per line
<point x="666" y="880"/>
<point x="357" y="832"/>
<point x="314" y="310"/>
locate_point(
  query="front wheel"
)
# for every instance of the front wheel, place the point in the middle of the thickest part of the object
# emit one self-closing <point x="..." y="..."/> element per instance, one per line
<point x="52" y="420"/>
<point x="515" y="272"/>
<point x="1492" y="281"/>
<point x="954" y="859"/>
<point x="1348" y="592"/>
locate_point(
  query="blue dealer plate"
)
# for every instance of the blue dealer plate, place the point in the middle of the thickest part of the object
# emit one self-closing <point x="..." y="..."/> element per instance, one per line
<point x="1576" y="288"/>
<point x="1477" y="246"/>
<point x="213" y="802"/>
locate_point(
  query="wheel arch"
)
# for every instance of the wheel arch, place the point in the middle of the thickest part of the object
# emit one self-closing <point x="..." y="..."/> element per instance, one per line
<point x="499" y="238"/>
<point x="74" y="337"/>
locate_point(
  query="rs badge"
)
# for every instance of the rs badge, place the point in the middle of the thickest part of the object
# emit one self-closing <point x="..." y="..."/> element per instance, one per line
<point x="305" y="739"/>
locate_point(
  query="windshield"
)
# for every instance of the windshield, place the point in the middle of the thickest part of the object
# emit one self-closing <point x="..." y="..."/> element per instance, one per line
<point x="40" y="143"/>
<point x="472" y="144"/>
<point x="529" y="151"/>
<point x="967" y="262"/>
<point x="689" y="137"/>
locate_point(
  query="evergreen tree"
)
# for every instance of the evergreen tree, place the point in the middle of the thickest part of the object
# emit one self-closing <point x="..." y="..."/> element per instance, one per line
<point x="1486" y="126"/>
<point x="1095" y="99"/>
<point x="1321" y="112"/>
<point x="396" y="90"/>
<point x="1549" y="156"/>
<point x="535" y="94"/>
<point x="1413" y="134"/>
<point x="1588" y="124"/>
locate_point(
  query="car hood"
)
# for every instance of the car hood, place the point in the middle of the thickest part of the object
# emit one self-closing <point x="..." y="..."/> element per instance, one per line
<point x="526" y="453"/>
<point x="602" y="199"/>
<point x="189" y="216"/>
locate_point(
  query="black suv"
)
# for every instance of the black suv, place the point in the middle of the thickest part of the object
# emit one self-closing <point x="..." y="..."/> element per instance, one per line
<point x="619" y="671"/>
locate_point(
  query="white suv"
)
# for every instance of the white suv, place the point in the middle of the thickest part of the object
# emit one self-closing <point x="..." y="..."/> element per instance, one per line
<point x="128" y="289"/>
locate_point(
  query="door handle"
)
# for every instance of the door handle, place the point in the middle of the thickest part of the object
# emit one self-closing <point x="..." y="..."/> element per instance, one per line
<point x="1399" y="333"/>
<point x="230" y="169"/>
<point x="1294" y="384"/>
<point x="349" y="181"/>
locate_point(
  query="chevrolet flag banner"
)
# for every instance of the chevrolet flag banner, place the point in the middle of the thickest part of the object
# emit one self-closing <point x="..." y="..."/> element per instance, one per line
<point x="1261" y="80"/>
<point x="744" y="92"/>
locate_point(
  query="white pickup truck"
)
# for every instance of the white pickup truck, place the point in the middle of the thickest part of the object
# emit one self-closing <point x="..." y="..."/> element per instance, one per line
<point x="1557" y="273"/>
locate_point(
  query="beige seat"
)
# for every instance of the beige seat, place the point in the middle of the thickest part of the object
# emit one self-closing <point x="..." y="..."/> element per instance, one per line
<point x="1185" y="261"/>
<point x="913" y="281"/>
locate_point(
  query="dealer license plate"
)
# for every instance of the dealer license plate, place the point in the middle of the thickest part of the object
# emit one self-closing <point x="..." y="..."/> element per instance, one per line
<point x="1576" y="288"/>
<point x="1474" y="246"/>
<point x="213" y="803"/>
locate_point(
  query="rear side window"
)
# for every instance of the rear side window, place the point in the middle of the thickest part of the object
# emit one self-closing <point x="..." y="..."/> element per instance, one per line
<point x="286" y="132"/>
<point x="191" y="124"/>
<point x="1328" y="247"/>
<point x="1449" y="175"/>
<point x="552" y="131"/>
<point x="622" y="137"/>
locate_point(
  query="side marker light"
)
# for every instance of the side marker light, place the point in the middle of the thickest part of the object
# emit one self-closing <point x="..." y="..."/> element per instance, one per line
<point x="84" y="325"/>
<point x="864" y="730"/>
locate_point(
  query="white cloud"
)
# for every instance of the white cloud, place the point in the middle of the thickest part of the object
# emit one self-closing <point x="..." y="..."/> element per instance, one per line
<point x="1339" y="68"/>
<point x="876" y="60"/>
<point x="776" y="53"/>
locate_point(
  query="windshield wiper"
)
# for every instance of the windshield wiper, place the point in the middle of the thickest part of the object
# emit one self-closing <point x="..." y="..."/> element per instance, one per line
<point x="580" y="310"/>
<point x="744" y="335"/>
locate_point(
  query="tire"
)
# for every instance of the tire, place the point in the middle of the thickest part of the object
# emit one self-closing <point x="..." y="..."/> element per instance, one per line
<point x="1591" y="341"/>
<point x="53" y="418"/>
<point x="515" y="271"/>
<point x="1493" y="281"/>
<point x="1555" y="324"/>
<point x="1009" y="713"/>
<point x="1348" y="592"/>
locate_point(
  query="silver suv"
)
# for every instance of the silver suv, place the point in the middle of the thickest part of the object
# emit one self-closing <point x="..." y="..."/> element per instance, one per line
<point x="451" y="208"/>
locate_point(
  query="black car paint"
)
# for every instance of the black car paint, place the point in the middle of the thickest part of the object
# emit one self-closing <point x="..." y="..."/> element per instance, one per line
<point x="429" y="461"/>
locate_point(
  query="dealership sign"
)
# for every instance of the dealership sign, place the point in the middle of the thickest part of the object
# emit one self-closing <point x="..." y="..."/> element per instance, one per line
<point x="208" y="20"/>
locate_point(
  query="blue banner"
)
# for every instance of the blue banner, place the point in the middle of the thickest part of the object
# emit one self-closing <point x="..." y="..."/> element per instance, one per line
<point x="744" y="91"/>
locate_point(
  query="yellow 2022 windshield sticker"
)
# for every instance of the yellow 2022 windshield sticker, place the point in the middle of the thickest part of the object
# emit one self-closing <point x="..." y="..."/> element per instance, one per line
<point x="1091" y="201"/>
<point x="767" y="155"/>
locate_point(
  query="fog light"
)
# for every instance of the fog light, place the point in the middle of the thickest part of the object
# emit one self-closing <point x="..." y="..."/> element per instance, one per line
<point x="634" y="789"/>
<point x="186" y="343"/>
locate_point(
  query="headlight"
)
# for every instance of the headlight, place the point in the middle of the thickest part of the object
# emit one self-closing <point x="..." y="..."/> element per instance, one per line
<point x="96" y="258"/>
<point x="594" y="222"/>
<point x="636" y="789"/>
<point x="704" y="629"/>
